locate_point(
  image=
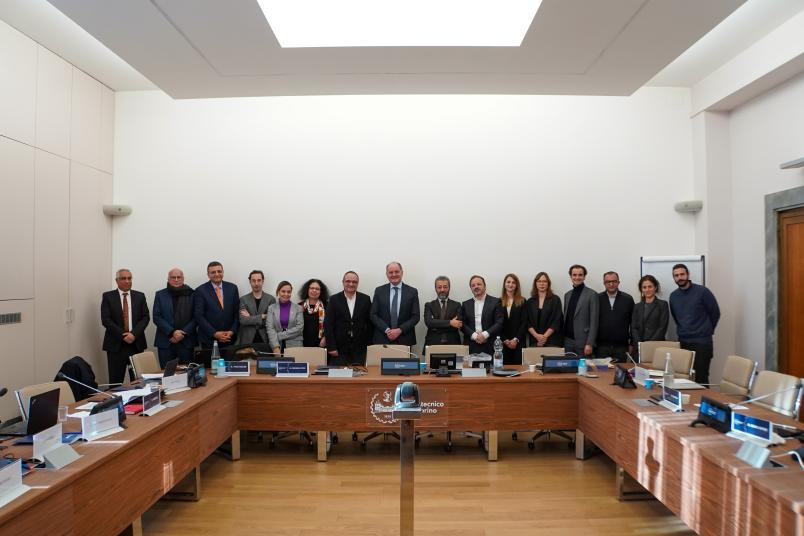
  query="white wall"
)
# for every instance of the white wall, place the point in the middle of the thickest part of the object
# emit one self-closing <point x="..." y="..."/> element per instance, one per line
<point x="764" y="132"/>
<point x="313" y="186"/>
<point x="56" y="129"/>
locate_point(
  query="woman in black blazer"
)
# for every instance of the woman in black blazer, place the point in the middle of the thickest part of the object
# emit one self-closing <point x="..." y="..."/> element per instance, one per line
<point x="543" y="314"/>
<point x="651" y="314"/>
<point x="513" y="332"/>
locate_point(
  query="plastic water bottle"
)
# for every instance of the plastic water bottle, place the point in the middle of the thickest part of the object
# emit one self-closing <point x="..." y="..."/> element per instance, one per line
<point x="221" y="368"/>
<point x="498" y="353"/>
<point x="669" y="373"/>
<point x="216" y="355"/>
<point x="582" y="367"/>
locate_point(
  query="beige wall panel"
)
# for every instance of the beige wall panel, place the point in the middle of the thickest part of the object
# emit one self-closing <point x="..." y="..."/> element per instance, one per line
<point x="17" y="219"/>
<point x="17" y="85"/>
<point x="53" y="101"/>
<point x="16" y="359"/>
<point x="51" y="236"/>
<point x="85" y="122"/>
<point x="90" y="262"/>
<point x="107" y="130"/>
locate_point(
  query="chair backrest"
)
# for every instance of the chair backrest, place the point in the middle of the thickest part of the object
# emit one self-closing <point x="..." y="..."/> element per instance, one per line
<point x="24" y="394"/>
<point x="647" y="348"/>
<point x="534" y="354"/>
<point x="682" y="360"/>
<point x="786" y="402"/>
<point x="315" y="356"/>
<point x="376" y="351"/>
<point x="145" y="363"/>
<point x="457" y="349"/>
<point x="737" y="374"/>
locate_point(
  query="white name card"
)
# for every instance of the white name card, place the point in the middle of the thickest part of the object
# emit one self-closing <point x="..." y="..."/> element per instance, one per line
<point x="11" y="485"/>
<point x="345" y="372"/>
<point x="46" y="440"/>
<point x="100" y="425"/>
<point x="175" y="384"/>
<point x="473" y="372"/>
<point x="60" y="456"/>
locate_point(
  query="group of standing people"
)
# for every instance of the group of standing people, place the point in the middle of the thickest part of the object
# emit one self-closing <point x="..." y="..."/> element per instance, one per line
<point x="605" y="324"/>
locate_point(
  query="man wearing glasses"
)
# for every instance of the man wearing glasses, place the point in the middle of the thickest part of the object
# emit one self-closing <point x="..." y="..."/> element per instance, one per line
<point x="173" y="316"/>
<point x="347" y="326"/>
<point x="614" y="327"/>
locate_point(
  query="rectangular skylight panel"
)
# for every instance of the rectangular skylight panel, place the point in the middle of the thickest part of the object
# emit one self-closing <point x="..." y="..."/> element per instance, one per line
<point x="399" y="23"/>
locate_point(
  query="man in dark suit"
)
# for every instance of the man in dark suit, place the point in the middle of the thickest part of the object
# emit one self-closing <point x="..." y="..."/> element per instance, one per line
<point x="614" y="328"/>
<point x="581" y="315"/>
<point x="216" y="307"/>
<point x="347" y="324"/>
<point x="442" y="316"/>
<point x="125" y="315"/>
<point x="482" y="318"/>
<point x="173" y="316"/>
<point x="395" y="309"/>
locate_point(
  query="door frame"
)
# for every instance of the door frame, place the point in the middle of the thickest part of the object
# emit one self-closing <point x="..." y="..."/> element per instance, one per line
<point x="774" y="204"/>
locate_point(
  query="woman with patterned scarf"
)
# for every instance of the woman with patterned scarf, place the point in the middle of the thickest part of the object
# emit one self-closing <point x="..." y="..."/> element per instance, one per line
<point x="314" y="295"/>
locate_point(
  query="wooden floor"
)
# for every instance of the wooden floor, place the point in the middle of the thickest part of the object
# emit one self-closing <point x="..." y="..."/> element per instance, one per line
<point x="285" y="492"/>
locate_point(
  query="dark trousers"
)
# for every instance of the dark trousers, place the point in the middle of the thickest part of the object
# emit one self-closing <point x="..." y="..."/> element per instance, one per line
<point x="571" y="345"/>
<point x="512" y="357"/>
<point x="118" y="361"/>
<point x="350" y="354"/>
<point x="175" y="351"/>
<point x="615" y="351"/>
<point x="703" y="357"/>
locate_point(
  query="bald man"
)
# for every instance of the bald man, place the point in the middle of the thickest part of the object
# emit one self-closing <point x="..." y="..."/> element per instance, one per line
<point x="124" y="314"/>
<point x="173" y="316"/>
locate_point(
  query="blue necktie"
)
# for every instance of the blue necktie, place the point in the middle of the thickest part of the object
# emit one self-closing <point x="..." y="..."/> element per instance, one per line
<point x="394" y="313"/>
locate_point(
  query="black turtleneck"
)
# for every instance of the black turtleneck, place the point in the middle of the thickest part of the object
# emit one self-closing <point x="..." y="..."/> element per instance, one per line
<point x="569" y="328"/>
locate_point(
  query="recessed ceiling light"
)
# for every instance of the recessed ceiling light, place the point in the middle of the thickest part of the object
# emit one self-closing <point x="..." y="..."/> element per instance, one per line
<point x="399" y="23"/>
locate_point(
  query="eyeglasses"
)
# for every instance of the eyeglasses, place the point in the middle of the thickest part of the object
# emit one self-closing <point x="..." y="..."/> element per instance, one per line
<point x="176" y="277"/>
<point x="611" y="282"/>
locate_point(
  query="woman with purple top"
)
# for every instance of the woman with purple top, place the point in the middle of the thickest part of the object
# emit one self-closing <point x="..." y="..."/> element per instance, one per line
<point x="285" y="320"/>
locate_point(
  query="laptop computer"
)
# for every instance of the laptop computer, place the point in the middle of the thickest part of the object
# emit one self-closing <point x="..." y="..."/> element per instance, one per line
<point x="170" y="368"/>
<point x="43" y="412"/>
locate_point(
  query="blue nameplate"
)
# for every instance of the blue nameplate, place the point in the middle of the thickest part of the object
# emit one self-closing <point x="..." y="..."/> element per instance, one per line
<point x="238" y="368"/>
<point x="288" y="369"/>
<point x="759" y="428"/>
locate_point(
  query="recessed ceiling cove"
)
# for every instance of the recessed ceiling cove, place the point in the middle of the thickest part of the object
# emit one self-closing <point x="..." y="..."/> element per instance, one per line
<point x="217" y="48"/>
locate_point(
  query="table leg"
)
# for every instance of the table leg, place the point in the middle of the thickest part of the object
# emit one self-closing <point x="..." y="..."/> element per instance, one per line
<point x="584" y="448"/>
<point x="491" y="442"/>
<point x="321" y="438"/>
<point x="629" y="489"/>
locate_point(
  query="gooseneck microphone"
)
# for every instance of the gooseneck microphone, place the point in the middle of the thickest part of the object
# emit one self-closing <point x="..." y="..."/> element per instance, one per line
<point x="64" y="376"/>
<point x="752" y="400"/>
<point x="401" y="351"/>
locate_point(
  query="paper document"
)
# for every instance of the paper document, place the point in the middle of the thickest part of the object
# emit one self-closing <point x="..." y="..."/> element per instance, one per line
<point x="88" y="406"/>
<point x="128" y="395"/>
<point x="79" y="414"/>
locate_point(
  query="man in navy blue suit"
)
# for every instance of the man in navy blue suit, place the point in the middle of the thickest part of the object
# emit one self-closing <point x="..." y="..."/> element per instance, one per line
<point x="173" y="316"/>
<point x="216" y="307"/>
<point x="395" y="309"/>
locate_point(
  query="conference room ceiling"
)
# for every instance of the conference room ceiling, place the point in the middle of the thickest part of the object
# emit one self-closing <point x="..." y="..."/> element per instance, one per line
<point x="216" y="48"/>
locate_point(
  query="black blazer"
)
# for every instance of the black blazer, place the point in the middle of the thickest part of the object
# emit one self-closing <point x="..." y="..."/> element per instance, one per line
<point x="439" y="331"/>
<point x="492" y="319"/>
<point x="112" y="319"/>
<point x="514" y="325"/>
<point x="614" y="326"/>
<point x="551" y="316"/>
<point x="208" y="313"/>
<point x="349" y="335"/>
<point x="651" y="326"/>
<point x="407" y="319"/>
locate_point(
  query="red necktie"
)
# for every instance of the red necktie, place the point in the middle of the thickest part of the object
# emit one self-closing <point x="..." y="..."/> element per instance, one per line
<point x="125" y="312"/>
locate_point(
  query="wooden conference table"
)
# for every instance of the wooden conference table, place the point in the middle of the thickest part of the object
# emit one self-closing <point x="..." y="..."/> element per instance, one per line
<point x="692" y="471"/>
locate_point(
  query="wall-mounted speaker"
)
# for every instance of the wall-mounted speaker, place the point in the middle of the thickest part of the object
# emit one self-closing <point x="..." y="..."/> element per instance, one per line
<point x="116" y="210"/>
<point x="689" y="206"/>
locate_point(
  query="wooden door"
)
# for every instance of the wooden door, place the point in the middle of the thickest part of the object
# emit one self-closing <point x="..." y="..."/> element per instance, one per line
<point x="791" y="292"/>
